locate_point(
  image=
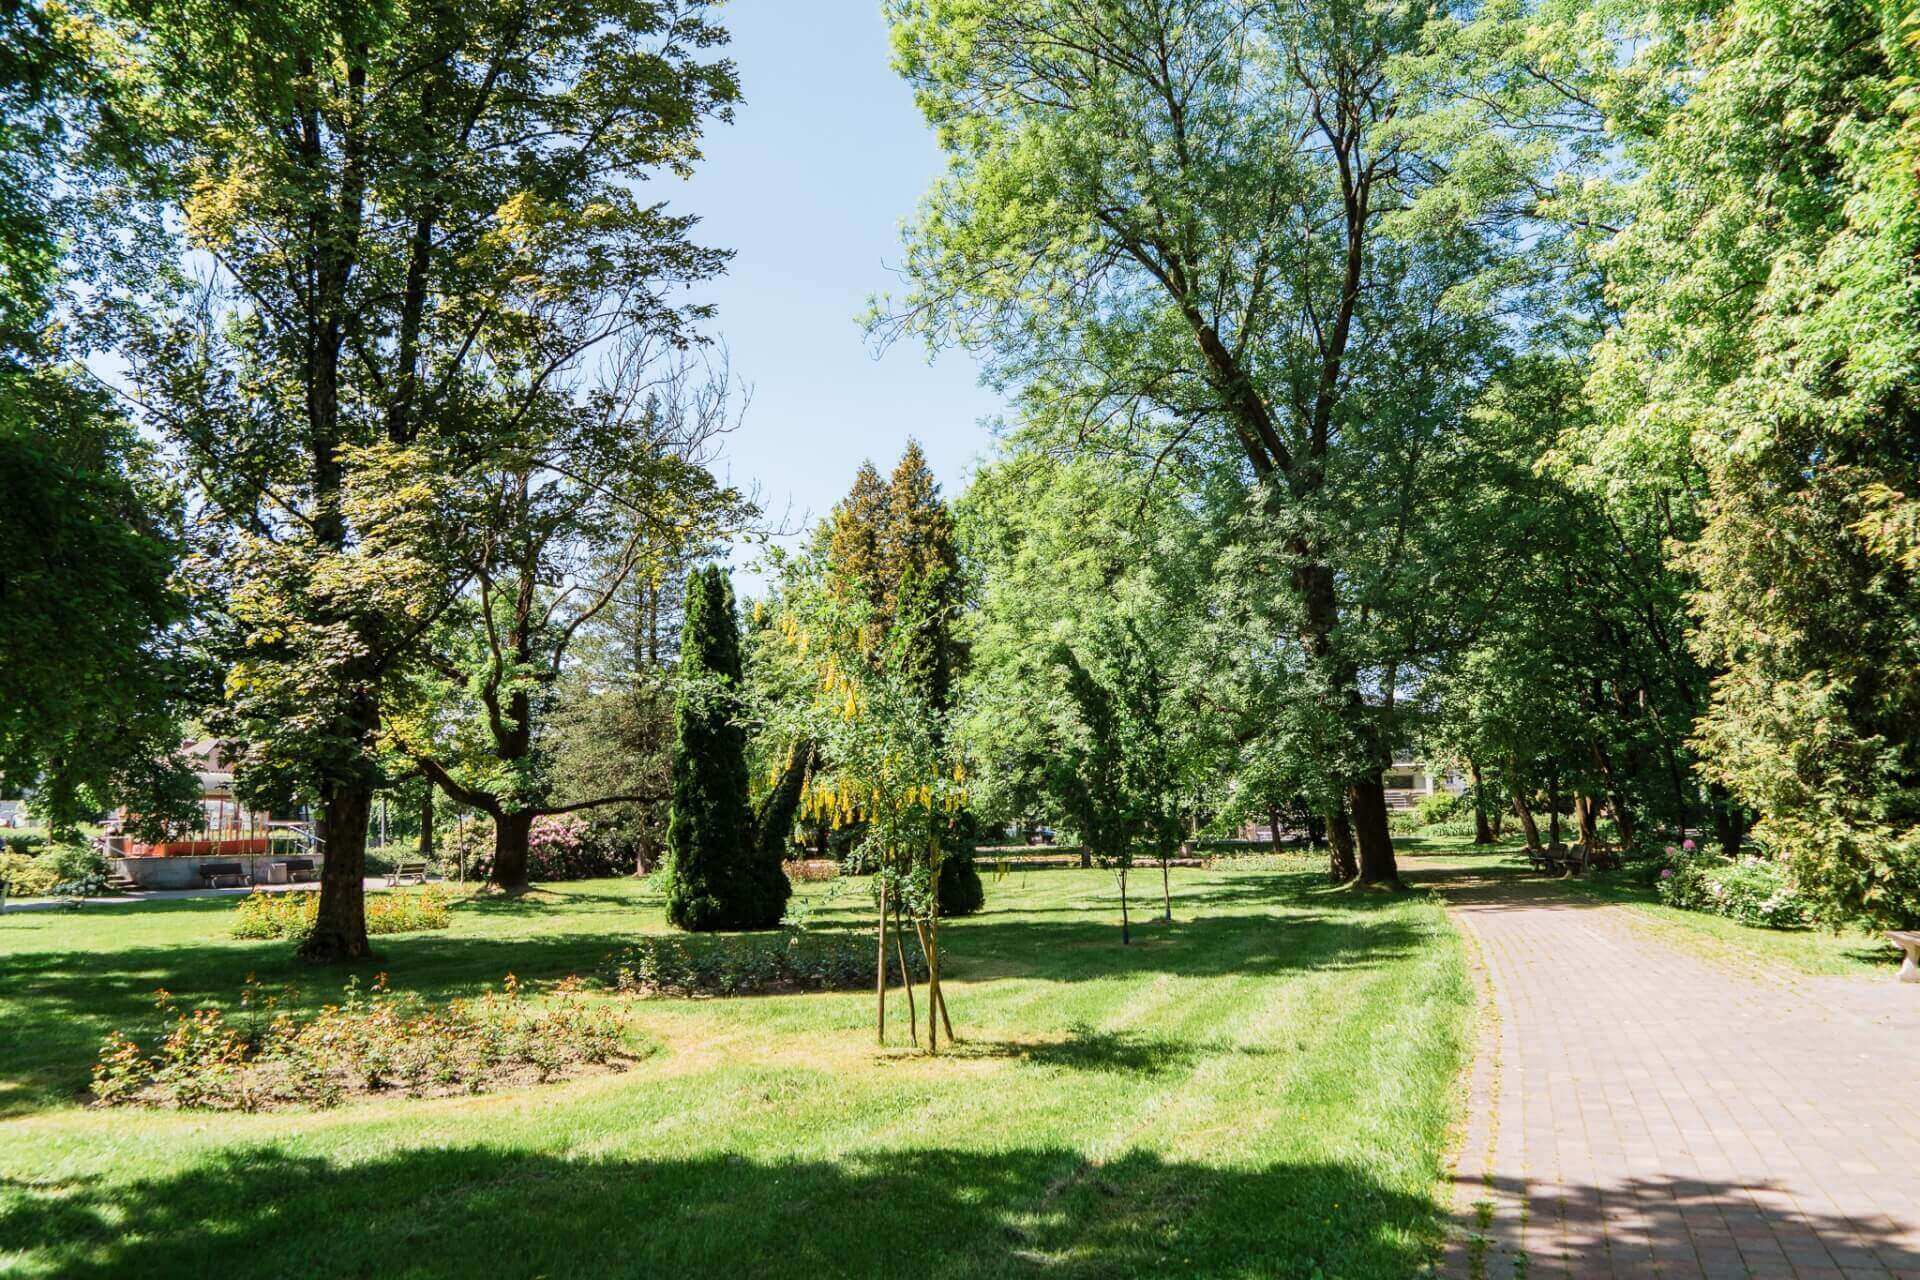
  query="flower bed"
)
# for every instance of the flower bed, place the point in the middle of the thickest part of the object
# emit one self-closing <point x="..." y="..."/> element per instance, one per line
<point x="372" y="1042"/>
<point x="290" y="914"/>
<point x="1750" y="889"/>
<point x="811" y="870"/>
<point x="748" y="965"/>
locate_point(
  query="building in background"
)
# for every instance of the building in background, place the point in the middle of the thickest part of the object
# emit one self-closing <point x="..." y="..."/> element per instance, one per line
<point x="1409" y="780"/>
<point x="229" y="832"/>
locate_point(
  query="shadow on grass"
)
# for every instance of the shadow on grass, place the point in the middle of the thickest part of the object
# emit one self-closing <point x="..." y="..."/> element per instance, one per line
<point x="481" y="1210"/>
<point x="1085" y="1049"/>
<point x="540" y="898"/>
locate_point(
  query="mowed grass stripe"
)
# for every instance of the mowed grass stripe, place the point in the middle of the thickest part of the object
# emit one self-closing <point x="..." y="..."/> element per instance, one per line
<point x="1261" y="1089"/>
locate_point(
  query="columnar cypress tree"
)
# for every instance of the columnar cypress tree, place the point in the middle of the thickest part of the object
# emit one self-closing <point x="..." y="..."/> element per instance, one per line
<point x="717" y="875"/>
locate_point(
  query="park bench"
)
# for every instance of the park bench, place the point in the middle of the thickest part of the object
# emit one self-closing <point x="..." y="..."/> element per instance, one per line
<point x="404" y="871"/>
<point x="1575" y="861"/>
<point x="300" y="870"/>
<point x="1908" y="942"/>
<point x="1557" y="859"/>
<point x="220" y="875"/>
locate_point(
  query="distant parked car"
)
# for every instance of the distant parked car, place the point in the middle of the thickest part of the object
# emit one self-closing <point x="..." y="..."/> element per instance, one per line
<point x="1040" y="835"/>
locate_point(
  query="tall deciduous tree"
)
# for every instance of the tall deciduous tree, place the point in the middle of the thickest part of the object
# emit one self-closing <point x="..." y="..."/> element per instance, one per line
<point x="1165" y="223"/>
<point x="559" y="521"/>
<point x="1097" y="566"/>
<point x="1768" y="283"/>
<point x="94" y="674"/>
<point x="421" y="214"/>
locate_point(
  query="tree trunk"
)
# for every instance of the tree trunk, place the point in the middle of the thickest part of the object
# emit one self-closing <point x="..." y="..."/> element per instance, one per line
<point x="426" y="821"/>
<point x="1729" y="823"/>
<point x="510" y="838"/>
<point x="1553" y="812"/>
<point x="934" y="998"/>
<point x="1273" y="829"/>
<point x="340" y="928"/>
<point x="1341" y="866"/>
<point x="1371" y="839"/>
<point x="1482" y="829"/>
<point x="880" y="971"/>
<point x="1623" y="819"/>
<point x="1166" y="891"/>
<point x="1586" y="818"/>
<point x="906" y="978"/>
<point x="1616" y="799"/>
<point x="1682" y="811"/>
<point x="1126" y="926"/>
<point x="1527" y="823"/>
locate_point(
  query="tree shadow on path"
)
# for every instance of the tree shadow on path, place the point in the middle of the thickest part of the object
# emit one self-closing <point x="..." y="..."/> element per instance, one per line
<point x="1669" y="1226"/>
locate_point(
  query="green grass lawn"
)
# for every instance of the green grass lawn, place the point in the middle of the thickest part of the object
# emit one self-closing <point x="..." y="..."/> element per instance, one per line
<point x="1263" y="1089"/>
<point x="1818" y="952"/>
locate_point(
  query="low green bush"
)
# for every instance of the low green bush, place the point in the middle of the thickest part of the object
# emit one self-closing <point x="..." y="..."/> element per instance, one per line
<point x="1440" y="814"/>
<point x="60" y="870"/>
<point x="25" y="876"/>
<point x="1750" y="889"/>
<point x="752" y="965"/>
<point x="81" y="870"/>
<point x="1289" y="860"/>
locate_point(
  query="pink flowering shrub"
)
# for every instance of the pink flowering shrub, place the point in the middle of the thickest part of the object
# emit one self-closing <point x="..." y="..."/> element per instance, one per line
<point x="560" y="847"/>
<point x="1751" y="889"/>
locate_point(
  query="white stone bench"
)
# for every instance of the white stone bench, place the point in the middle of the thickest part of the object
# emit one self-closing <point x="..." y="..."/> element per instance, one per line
<point x="1909" y="943"/>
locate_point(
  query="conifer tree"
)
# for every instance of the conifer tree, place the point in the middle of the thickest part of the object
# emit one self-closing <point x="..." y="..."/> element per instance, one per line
<point x="894" y="542"/>
<point x="719" y="876"/>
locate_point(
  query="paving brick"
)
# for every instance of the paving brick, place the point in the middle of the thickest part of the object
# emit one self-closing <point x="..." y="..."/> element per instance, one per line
<point x="1639" y="1109"/>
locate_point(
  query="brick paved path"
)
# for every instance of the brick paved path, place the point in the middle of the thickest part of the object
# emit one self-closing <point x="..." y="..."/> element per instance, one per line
<point x="1639" y="1109"/>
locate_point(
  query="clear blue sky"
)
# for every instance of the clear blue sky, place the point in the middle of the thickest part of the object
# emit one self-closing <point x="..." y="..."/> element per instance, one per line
<point x="809" y="186"/>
